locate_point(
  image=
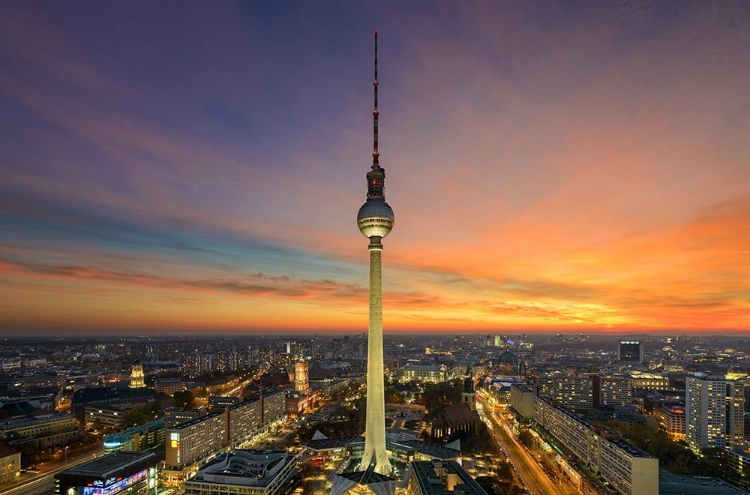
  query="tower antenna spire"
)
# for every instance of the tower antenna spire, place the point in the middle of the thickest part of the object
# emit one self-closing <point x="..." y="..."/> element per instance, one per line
<point x="375" y="112"/>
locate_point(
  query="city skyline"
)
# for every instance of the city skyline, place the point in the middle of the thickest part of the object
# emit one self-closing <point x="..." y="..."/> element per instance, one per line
<point x="554" y="169"/>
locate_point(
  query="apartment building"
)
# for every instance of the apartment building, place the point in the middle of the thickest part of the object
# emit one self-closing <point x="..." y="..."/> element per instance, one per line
<point x="626" y="468"/>
<point x="714" y="412"/>
<point x="522" y="400"/>
<point x="574" y="391"/>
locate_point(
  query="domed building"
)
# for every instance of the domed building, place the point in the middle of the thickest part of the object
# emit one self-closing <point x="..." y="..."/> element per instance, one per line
<point x="507" y="362"/>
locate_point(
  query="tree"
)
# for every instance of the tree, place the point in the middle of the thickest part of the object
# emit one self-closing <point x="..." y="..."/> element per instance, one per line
<point x="504" y="471"/>
<point x="184" y="399"/>
<point x="137" y="417"/>
<point x="526" y="438"/>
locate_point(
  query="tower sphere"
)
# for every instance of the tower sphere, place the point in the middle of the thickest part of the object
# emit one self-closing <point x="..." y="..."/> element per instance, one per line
<point x="375" y="218"/>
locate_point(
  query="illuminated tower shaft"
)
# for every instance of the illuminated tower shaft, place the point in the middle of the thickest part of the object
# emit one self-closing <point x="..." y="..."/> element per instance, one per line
<point x="375" y="451"/>
<point x="375" y="220"/>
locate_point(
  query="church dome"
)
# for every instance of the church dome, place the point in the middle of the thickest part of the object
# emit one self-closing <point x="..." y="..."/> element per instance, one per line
<point x="507" y="358"/>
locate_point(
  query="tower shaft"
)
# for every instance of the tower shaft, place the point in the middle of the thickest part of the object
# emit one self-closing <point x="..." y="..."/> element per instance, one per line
<point x="375" y="451"/>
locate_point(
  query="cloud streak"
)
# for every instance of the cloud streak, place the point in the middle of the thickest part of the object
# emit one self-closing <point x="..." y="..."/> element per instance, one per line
<point x="551" y="167"/>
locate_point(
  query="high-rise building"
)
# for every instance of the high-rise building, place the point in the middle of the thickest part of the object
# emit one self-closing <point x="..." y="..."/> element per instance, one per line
<point x="630" y="350"/>
<point x="574" y="391"/>
<point x="375" y="220"/>
<point x="714" y="412"/>
<point x="612" y="390"/>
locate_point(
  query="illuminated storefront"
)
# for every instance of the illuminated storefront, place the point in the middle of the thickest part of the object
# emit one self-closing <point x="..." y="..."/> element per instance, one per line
<point x="131" y="473"/>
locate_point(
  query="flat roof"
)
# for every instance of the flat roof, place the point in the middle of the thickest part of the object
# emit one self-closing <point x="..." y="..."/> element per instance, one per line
<point x="675" y="484"/>
<point x="105" y="466"/>
<point x="195" y="421"/>
<point x="332" y="443"/>
<point x="426" y="448"/>
<point x="432" y="484"/>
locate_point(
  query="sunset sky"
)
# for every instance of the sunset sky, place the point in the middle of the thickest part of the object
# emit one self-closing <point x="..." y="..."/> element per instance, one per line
<point x="198" y="166"/>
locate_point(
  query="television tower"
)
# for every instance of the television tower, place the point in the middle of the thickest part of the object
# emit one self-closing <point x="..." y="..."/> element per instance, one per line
<point x="375" y="221"/>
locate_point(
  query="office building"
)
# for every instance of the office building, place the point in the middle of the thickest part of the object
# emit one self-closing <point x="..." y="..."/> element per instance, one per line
<point x="106" y="415"/>
<point x="246" y="472"/>
<point x="129" y="472"/>
<point x="671" y="420"/>
<point x="168" y="385"/>
<point x="648" y="381"/>
<point x="422" y="373"/>
<point x="630" y="351"/>
<point x="714" y="412"/>
<point x="37" y="426"/>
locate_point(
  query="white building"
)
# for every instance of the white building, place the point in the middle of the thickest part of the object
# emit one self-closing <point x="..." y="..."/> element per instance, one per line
<point x="626" y="468"/>
<point x="422" y="373"/>
<point x="245" y="472"/>
<point x="714" y="409"/>
<point x="522" y="400"/>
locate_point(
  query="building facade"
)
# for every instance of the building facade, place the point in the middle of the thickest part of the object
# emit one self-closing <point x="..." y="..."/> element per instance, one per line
<point x="422" y="373"/>
<point x="137" y="438"/>
<point x="10" y="464"/>
<point x="246" y="472"/>
<point x="522" y="400"/>
<point x="714" y="413"/>
<point x="630" y="351"/>
<point x="626" y="468"/>
<point x="574" y="391"/>
<point x="134" y="473"/>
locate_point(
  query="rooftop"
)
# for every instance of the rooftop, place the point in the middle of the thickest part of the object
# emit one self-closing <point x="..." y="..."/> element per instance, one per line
<point x="437" y="477"/>
<point x="257" y="468"/>
<point x="195" y="421"/>
<point x="106" y="466"/>
<point x="675" y="484"/>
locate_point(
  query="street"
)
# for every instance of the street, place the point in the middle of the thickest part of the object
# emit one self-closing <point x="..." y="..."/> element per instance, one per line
<point x="532" y="475"/>
<point x="43" y="482"/>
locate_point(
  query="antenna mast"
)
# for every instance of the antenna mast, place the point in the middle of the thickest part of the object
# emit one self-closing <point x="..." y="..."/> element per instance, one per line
<point x="375" y="112"/>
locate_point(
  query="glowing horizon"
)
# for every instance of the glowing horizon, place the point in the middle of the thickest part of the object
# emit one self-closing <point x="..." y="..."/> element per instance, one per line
<point x="553" y="168"/>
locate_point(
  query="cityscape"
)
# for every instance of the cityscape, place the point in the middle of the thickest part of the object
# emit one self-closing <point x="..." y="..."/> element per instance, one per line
<point x="561" y="308"/>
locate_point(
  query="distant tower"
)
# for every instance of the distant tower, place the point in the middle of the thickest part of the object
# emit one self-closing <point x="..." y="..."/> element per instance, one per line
<point x="301" y="378"/>
<point x="137" y="378"/>
<point x="469" y="396"/>
<point x="375" y="221"/>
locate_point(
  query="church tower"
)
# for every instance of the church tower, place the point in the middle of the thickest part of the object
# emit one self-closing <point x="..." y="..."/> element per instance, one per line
<point x="469" y="395"/>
